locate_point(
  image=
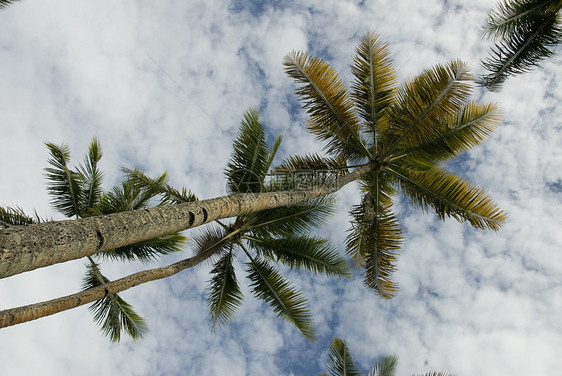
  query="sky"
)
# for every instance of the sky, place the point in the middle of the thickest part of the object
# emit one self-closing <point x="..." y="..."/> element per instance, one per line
<point x="164" y="85"/>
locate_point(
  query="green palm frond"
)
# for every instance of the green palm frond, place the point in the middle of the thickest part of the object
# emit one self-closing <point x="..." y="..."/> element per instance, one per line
<point x="473" y="124"/>
<point x="224" y="295"/>
<point x="385" y="366"/>
<point x="273" y="153"/>
<point x="148" y="250"/>
<point x="286" y="301"/>
<point x="158" y="186"/>
<point x="522" y="50"/>
<point x="16" y="217"/>
<point x="375" y="81"/>
<point x="326" y="99"/>
<point x="449" y="196"/>
<point x="438" y="374"/>
<point x="63" y="184"/>
<point x="112" y="313"/>
<point x="372" y="243"/>
<point x="294" y="219"/>
<point x="250" y="159"/>
<point x="511" y="15"/>
<point x="341" y="362"/>
<point x="123" y="198"/>
<point x="422" y="104"/>
<point x="5" y="3"/>
<point x="91" y="177"/>
<point x="212" y="240"/>
<point x="308" y="162"/>
<point x="303" y="252"/>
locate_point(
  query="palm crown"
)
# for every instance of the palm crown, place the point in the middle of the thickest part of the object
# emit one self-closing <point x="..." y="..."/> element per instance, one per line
<point x="405" y="134"/>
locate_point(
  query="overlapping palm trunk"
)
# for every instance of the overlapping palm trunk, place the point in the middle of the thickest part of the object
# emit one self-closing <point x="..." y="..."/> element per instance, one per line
<point x="25" y="248"/>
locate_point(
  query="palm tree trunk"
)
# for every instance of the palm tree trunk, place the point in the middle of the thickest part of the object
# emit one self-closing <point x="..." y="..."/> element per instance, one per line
<point x="25" y="248"/>
<point x="30" y="312"/>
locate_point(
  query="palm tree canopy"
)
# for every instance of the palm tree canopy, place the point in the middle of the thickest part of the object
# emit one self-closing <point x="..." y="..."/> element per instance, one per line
<point x="525" y="32"/>
<point x="405" y="134"/>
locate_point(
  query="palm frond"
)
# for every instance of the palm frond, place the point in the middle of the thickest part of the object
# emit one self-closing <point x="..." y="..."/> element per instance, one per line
<point x="385" y="366"/>
<point x="423" y="103"/>
<point x="211" y="240"/>
<point x="294" y="219"/>
<point x="63" y="184"/>
<point x="438" y="374"/>
<point x="472" y="125"/>
<point x="224" y="295"/>
<point x="372" y="243"/>
<point x="331" y="110"/>
<point x="170" y="195"/>
<point x="450" y="196"/>
<point x="122" y="198"/>
<point x="91" y="177"/>
<point x="273" y="152"/>
<point x="149" y="250"/>
<point x="511" y="15"/>
<point x="250" y="158"/>
<point x="522" y="50"/>
<point x="306" y="172"/>
<point x="375" y="81"/>
<point x="341" y="363"/>
<point x="5" y="3"/>
<point x="112" y="313"/>
<point x="16" y="217"/>
<point x="309" y="253"/>
<point x="287" y="302"/>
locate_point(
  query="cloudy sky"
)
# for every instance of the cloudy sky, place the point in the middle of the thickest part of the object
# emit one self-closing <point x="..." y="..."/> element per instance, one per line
<point x="164" y="84"/>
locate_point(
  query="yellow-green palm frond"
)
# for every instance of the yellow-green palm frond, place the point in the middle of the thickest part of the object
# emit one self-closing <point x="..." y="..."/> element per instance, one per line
<point x="372" y="243"/>
<point x="449" y="196"/>
<point x="375" y="81"/>
<point x="326" y="99"/>
<point x="250" y="158"/>
<point x="425" y="105"/>
<point x="223" y="295"/>
<point x="471" y="126"/>
<point x="112" y="313"/>
<point x="286" y="301"/>
<point x="340" y="362"/>
<point x="386" y="366"/>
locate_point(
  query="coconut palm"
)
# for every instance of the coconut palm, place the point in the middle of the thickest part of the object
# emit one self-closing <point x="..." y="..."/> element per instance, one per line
<point x="340" y="363"/>
<point x="525" y="32"/>
<point x="264" y="237"/>
<point x="404" y="135"/>
<point x="77" y="193"/>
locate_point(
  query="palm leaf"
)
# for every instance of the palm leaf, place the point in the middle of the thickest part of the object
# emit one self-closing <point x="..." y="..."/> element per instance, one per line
<point x="63" y="184"/>
<point x="421" y="105"/>
<point x="224" y="295"/>
<point x="211" y="240"/>
<point x="385" y="366"/>
<point x="112" y="313"/>
<point x="148" y="250"/>
<point x="92" y="177"/>
<point x="341" y="363"/>
<point x="287" y="302"/>
<point x="523" y="49"/>
<point x="374" y="239"/>
<point x="5" y="3"/>
<point x="332" y="114"/>
<point x="449" y="196"/>
<point x="250" y="159"/>
<point x="15" y="217"/>
<point x="375" y="81"/>
<point x="170" y="195"/>
<point x="303" y="252"/>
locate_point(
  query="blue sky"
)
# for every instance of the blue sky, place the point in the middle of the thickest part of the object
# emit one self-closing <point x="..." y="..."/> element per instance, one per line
<point x="470" y="302"/>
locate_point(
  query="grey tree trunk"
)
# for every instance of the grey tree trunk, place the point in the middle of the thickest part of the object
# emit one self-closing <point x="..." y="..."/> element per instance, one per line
<point x="25" y="248"/>
<point x="30" y="312"/>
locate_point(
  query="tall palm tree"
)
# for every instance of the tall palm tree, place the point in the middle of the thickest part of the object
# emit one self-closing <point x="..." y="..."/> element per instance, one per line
<point x="525" y="32"/>
<point x="340" y="363"/>
<point x="77" y="193"/>
<point x="404" y="135"/>
<point x="264" y="237"/>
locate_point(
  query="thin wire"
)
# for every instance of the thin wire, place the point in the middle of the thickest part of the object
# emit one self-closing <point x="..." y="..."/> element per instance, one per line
<point x="189" y="96"/>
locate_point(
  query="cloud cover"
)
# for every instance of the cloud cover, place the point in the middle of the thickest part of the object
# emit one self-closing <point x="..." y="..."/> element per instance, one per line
<point x="164" y="87"/>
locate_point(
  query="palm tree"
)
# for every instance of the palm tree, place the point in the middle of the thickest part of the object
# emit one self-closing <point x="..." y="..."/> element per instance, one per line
<point x="5" y="3"/>
<point x="341" y="363"/>
<point x="78" y="193"/>
<point x="525" y="32"/>
<point x="266" y="236"/>
<point x="404" y="135"/>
